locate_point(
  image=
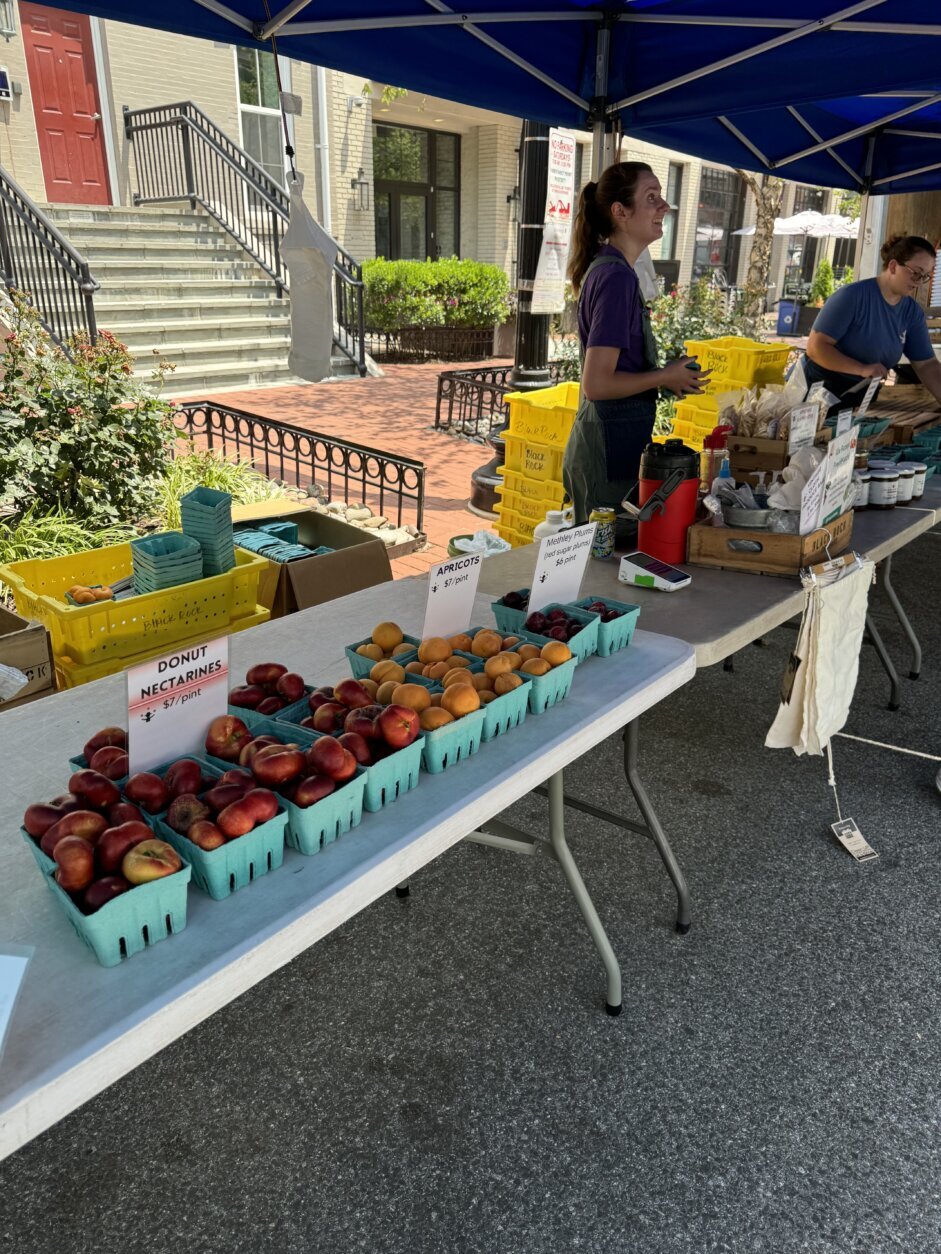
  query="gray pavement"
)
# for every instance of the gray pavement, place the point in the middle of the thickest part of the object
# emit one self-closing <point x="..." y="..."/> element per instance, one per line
<point x="438" y="1074"/>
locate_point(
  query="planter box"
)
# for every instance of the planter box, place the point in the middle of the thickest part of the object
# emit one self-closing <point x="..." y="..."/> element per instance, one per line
<point x="773" y="553"/>
<point x="432" y="344"/>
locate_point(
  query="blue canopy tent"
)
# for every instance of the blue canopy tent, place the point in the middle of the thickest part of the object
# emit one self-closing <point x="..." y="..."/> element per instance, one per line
<point x="844" y="96"/>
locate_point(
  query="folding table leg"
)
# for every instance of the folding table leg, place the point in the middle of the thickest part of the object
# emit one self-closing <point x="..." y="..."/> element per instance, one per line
<point x="902" y="617"/>
<point x="631" y="738"/>
<point x="565" y="860"/>
<point x="887" y="663"/>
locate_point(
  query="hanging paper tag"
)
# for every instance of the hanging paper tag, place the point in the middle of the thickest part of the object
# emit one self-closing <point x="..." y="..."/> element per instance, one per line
<point x="803" y="427"/>
<point x="867" y="399"/>
<point x="172" y="700"/>
<point x="853" y="841"/>
<point x="844" y="420"/>
<point x="816" y="389"/>
<point x="452" y="587"/>
<point x="560" y="566"/>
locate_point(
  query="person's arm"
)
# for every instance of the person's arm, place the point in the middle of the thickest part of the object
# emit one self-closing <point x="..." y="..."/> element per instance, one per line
<point x="929" y="372"/>
<point x="822" y="351"/>
<point x="602" y="381"/>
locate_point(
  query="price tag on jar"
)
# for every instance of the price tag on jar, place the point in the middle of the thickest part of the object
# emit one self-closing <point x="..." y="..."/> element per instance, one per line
<point x="452" y="587"/>
<point x="172" y="700"/>
<point x="560" y="566"/>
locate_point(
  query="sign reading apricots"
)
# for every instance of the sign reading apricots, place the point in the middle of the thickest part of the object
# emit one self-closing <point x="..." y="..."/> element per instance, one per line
<point x="452" y="587"/>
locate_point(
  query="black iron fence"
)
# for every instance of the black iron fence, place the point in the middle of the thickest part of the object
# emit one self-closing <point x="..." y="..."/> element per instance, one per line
<point x="37" y="259"/>
<point x="473" y="402"/>
<point x="431" y="344"/>
<point x="180" y="154"/>
<point x="390" y="485"/>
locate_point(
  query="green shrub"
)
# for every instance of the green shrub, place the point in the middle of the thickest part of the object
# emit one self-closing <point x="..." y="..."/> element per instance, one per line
<point x="78" y="434"/>
<point x="54" y="534"/>
<point x="208" y="468"/>
<point x="845" y="277"/>
<point x="696" y="312"/>
<point x="446" y="293"/>
<point x="824" y="284"/>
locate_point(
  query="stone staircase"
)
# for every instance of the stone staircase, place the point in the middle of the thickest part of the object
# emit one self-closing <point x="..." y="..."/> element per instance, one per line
<point x="174" y="285"/>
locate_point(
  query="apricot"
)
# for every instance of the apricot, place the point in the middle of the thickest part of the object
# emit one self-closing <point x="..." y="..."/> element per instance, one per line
<point x="555" y="652"/>
<point x="434" y="649"/>
<point x="456" y="660"/>
<point x="370" y="686"/>
<point x="371" y="651"/>
<point x="458" y="677"/>
<point x="435" y="699"/>
<point x="536" y="666"/>
<point x="528" y="651"/>
<point x="385" y="690"/>
<point x="499" y="664"/>
<point x="515" y="660"/>
<point x="103" y="593"/>
<point x="387" y="636"/>
<point x="414" y="696"/>
<point x="486" y="697"/>
<point x="460" y="699"/>
<point x="414" y="668"/>
<point x="506" y="683"/>
<point x="83" y="596"/>
<point x="404" y="647"/>
<point x="461" y="641"/>
<point x="437" y="670"/>
<point x="433" y="718"/>
<point x="387" y="670"/>
<point x="482" y="682"/>
<point x="486" y="643"/>
<point x="510" y="641"/>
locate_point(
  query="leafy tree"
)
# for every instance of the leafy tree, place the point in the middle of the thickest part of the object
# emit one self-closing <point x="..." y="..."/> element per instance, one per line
<point x="767" y="192"/>
<point x="823" y="285"/>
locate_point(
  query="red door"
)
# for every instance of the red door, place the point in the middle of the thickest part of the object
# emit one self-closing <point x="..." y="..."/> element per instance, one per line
<point x="61" y="67"/>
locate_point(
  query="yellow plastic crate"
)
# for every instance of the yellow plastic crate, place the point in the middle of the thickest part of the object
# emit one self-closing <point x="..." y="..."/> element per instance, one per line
<point x="527" y="507"/>
<point x="545" y="415"/>
<point x="70" y="674"/>
<point x="511" y="521"/>
<point x="530" y="486"/>
<point x="723" y="383"/>
<point x="736" y="357"/>
<point x="120" y="629"/>
<point x="530" y="458"/>
<point x="508" y="533"/>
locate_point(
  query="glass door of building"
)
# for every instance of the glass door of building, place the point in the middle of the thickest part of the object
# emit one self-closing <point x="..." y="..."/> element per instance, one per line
<point x="417" y="190"/>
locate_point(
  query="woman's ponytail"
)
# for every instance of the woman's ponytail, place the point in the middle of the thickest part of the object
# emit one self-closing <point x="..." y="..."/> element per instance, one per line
<point x="593" y="223"/>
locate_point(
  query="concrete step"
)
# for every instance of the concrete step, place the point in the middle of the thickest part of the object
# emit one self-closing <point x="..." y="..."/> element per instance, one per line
<point x="190" y="380"/>
<point x="140" y="334"/>
<point x="261" y="309"/>
<point x="208" y="352"/>
<point x="171" y="215"/>
<point x="87" y="234"/>
<point x="128" y="290"/>
<point x="179" y="252"/>
<point x="232" y="266"/>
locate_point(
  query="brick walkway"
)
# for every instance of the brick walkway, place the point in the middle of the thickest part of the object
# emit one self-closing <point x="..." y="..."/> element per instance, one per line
<point x="396" y="414"/>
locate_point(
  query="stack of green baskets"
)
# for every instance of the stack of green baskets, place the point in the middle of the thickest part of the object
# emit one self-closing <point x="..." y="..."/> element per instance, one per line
<point x="165" y="560"/>
<point x="207" y="519"/>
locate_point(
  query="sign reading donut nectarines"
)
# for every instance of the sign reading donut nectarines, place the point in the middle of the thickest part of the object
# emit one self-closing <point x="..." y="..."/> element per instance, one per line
<point x="172" y="700"/>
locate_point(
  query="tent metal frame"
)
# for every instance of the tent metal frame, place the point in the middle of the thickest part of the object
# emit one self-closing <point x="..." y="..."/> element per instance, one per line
<point x="599" y="111"/>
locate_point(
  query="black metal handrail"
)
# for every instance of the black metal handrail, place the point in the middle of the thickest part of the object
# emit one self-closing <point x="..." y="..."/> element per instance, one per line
<point x="473" y="402"/>
<point x="180" y="154"/>
<point x="37" y="259"/>
<point x="390" y="485"/>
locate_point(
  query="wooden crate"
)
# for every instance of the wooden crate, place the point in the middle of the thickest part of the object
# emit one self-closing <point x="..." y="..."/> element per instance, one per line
<point x="777" y="555"/>
<point x="902" y="429"/>
<point x="750" y="453"/>
<point x="25" y="646"/>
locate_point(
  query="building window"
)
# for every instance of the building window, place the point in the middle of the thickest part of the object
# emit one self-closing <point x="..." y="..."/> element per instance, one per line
<point x="721" y="209"/>
<point x="259" y="114"/>
<point x="844" y="254"/>
<point x="417" y="187"/>
<point x="673" y="197"/>
<point x="802" y="249"/>
<point x="7" y="18"/>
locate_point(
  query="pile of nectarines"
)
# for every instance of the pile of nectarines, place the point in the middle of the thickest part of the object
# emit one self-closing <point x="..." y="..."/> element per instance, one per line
<point x="106" y="752"/>
<point x="370" y="719"/>
<point x="232" y="807"/>
<point x="268" y="688"/>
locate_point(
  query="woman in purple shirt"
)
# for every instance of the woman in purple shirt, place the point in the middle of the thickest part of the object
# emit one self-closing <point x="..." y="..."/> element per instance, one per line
<point x="617" y="218"/>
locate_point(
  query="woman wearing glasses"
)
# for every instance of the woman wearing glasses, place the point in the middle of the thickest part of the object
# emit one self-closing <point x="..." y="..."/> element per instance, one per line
<point x="864" y="328"/>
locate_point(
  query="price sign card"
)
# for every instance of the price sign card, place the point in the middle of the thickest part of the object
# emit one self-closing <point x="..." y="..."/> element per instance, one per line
<point x="560" y="566"/>
<point x="803" y="427"/>
<point x="867" y="399"/>
<point x="172" y="700"/>
<point x="839" y="491"/>
<point x="844" y="420"/>
<point x="452" y="587"/>
<point x="812" y="500"/>
<point x="14" y="959"/>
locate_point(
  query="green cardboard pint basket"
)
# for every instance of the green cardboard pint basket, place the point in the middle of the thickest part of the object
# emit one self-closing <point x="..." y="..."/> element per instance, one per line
<point x="43" y="861"/>
<point x="391" y="777"/>
<point x="504" y="713"/>
<point x="508" y="620"/>
<point x="311" y="829"/>
<point x="130" y="923"/>
<point x="620" y="631"/>
<point x="546" y="691"/>
<point x="236" y="864"/>
<point x="452" y="743"/>
<point x="361" y="666"/>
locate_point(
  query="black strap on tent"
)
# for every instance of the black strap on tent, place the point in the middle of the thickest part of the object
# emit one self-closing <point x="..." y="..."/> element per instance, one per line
<point x="288" y="149"/>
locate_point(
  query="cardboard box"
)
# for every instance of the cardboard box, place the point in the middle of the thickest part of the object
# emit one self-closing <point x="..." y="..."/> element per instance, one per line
<point x="776" y="554"/>
<point x="360" y="560"/>
<point x="25" y="645"/>
<point x="750" y="453"/>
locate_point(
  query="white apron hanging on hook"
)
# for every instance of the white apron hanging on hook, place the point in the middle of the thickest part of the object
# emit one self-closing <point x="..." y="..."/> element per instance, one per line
<point x="309" y="254"/>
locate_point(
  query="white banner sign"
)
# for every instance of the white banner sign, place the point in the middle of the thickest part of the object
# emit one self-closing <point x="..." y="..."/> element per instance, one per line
<point x="172" y="700"/>
<point x="549" y="283"/>
<point x="560" y="566"/>
<point x="452" y="587"/>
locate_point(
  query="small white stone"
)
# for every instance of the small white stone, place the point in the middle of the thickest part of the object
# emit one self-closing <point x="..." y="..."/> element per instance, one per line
<point x="376" y="521"/>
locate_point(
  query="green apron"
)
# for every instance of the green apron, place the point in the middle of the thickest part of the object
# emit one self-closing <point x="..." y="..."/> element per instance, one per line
<point x="602" y="456"/>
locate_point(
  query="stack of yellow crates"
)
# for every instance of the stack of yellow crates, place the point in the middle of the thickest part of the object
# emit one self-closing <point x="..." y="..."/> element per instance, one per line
<point x="540" y="423"/>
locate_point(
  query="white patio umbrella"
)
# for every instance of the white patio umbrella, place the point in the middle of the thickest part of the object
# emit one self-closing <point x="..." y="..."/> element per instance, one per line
<point x="810" y="222"/>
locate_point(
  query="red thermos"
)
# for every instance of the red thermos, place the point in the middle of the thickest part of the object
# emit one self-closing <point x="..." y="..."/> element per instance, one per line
<point x="664" y="535"/>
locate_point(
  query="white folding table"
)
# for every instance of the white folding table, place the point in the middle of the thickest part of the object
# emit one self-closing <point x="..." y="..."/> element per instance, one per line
<point x="78" y="1027"/>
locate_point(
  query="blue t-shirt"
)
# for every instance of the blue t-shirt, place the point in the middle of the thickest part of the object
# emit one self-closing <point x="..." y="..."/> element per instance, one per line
<point x="610" y="311"/>
<point x="866" y="327"/>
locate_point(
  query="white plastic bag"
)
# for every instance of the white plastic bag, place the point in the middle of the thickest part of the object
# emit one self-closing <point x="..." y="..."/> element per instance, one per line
<point x="309" y="254"/>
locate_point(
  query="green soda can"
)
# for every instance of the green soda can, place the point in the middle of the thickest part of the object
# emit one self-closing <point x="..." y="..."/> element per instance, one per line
<point x="603" y="545"/>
